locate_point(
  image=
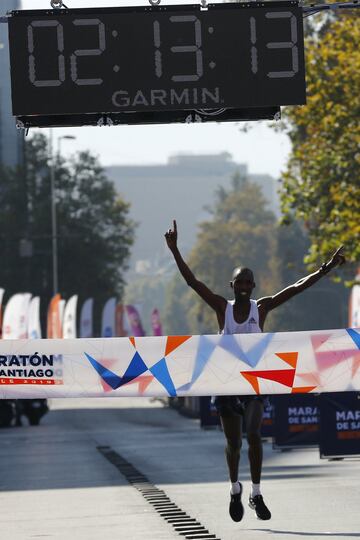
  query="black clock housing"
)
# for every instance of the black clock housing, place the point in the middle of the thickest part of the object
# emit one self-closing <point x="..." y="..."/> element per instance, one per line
<point x="156" y="59"/>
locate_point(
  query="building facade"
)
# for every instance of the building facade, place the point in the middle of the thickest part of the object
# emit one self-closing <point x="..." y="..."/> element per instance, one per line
<point x="180" y="189"/>
<point x="11" y="139"/>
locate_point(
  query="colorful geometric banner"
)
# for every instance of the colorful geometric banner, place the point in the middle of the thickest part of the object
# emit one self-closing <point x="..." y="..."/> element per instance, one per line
<point x="241" y="364"/>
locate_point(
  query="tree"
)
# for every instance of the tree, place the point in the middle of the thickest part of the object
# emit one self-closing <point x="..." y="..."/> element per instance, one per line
<point x="322" y="306"/>
<point x="95" y="233"/>
<point x="321" y="184"/>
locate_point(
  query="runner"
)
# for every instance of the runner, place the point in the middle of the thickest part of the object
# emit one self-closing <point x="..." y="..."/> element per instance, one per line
<point x="242" y="316"/>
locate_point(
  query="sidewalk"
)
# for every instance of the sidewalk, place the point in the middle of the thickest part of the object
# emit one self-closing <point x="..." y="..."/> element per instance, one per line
<point x="56" y="484"/>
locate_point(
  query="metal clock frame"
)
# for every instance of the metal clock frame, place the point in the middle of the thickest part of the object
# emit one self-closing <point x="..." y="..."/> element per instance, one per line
<point x="270" y="113"/>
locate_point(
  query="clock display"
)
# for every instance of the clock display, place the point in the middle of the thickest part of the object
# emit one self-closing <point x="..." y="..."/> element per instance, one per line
<point x="148" y="59"/>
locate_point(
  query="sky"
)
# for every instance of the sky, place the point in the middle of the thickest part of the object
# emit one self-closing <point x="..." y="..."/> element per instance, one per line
<point x="263" y="150"/>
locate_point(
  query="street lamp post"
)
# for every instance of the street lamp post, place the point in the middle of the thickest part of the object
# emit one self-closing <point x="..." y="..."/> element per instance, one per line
<point x="53" y="214"/>
<point x="66" y="138"/>
<point x="53" y="207"/>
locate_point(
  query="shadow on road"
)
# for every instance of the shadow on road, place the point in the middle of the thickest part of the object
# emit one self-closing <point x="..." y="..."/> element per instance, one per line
<point x="313" y="534"/>
<point x="62" y="452"/>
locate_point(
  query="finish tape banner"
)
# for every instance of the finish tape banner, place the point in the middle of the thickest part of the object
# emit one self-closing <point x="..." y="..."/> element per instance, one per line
<point x="241" y="364"/>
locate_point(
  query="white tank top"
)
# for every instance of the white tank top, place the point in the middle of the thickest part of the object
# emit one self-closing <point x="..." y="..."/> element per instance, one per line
<point x="250" y="326"/>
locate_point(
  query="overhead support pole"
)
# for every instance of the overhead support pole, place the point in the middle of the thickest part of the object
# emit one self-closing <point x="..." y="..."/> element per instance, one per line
<point x="158" y="2"/>
<point x="315" y="8"/>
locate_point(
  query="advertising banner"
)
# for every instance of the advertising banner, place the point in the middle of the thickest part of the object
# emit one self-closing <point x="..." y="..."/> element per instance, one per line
<point x="240" y="364"/>
<point x="134" y="319"/>
<point x="108" y="319"/>
<point x="54" y="319"/>
<point x="354" y="304"/>
<point x="69" y="319"/>
<point x="24" y="317"/>
<point x="296" y="421"/>
<point x="121" y="322"/>
<point x="15" y="324"/>
<point x="62" y="305"/>
<point x="1" y="310"/>
<point x="340" y="424"/>
<point x="156" y="323"/>
<point x="34" y="328"/>
<point x="86" y="319"/>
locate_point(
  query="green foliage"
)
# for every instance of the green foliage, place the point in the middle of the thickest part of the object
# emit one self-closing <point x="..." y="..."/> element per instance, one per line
<point x="322" y="183"/>
<point x="94" y="231"/>
<point x="322" y="306"/>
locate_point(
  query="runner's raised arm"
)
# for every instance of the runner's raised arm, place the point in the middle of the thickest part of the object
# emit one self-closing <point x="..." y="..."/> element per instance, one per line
<point x="216" y="302"/>
<point x="270" y="302"/>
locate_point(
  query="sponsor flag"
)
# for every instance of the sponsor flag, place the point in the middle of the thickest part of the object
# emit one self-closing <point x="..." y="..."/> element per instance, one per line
<point x="69" y="320"/>
<point x="34" y="328"/>
<point x="54" y="322"/>
<point x="354" y="304"/>
<point x="86" y="319"/>
<point x="108" y="318"/>
<point x="16" y="317"/>
<point x="62" y="305"/>
<point x="1" y="299"/>
<point x="120" y="321"/>
<point x="156" y="323"/>
<point x="24" y="316"/>
<point x="136" y="327"/>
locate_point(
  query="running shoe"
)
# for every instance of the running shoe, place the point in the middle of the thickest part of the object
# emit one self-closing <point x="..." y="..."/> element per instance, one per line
<point x="257" y="503"/>
<point x="236" y="509"/>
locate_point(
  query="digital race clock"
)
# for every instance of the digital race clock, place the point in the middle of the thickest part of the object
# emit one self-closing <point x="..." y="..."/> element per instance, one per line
<point x="152" y="60"/>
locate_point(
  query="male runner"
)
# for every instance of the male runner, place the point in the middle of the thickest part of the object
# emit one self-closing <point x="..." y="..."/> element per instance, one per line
<point x="244" y="315"/>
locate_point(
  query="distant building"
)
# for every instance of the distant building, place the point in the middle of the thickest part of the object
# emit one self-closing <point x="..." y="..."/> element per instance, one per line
<point x="11" y="140"/>
<point x="181" y="189"/>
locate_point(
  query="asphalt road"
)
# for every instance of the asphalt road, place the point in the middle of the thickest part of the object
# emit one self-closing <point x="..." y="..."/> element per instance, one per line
<point x="55" y="483"/>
